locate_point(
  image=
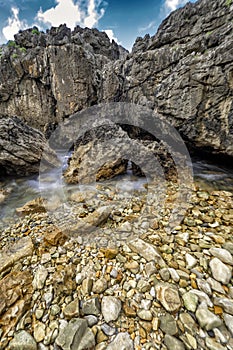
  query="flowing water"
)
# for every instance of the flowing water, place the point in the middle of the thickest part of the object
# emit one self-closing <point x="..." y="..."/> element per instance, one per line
<point x="207" y="175"/>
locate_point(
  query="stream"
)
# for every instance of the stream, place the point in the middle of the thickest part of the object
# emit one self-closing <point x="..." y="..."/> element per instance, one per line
<point x="207" y="175"/>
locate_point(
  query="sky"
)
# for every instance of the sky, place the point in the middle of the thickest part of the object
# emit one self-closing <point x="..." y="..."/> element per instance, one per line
<point x="122" y="20"/>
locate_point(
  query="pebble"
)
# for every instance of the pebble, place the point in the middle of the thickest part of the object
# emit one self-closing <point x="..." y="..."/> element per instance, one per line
<point x="213" y="345"/>
<point x="168" y="296"/>
<point x="168" y="324"/>
<point x="207" y="319"/>
<point x="72" y="309"/>
<point x="100" y="286"/>
<point x="222" y="254"/>
<point x="173" y="343"/>
<point x="190" y="301"/>
<point x="39" y="332"/>
<point x="229" y="323"/>
<point x="91" y="307"/>
<point x="145" y="314"/>
<point x="220" y="271"/>
<point x="75" y="336"/>
<point x="22" y="340"/>
<point x="40" y="277"/>
<point x="155" y="292"/>
<point x="111" y="308"/>
<point x="122" y="341"/>
<point x="190" y="261"/>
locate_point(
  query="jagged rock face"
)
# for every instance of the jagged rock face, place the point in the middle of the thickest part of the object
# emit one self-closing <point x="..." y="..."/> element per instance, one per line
<point x="46" y="77"/>
<point x="22" y="148"/>
<point x="185" y="73"/>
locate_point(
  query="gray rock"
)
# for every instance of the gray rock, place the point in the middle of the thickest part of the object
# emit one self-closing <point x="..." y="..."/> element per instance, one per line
<point x="108" y="330"/>
<point x="228" y="246"/>
<point x="190" y="301"/>
<point x="111" y="308"/>
<point x="76" y="336"/>
<point x="122" y="341"/>
<point x="215" y="285"/>
<point x="213" y="345"/>
<point x="207" y="319"/>
<point x="91" y="320"/>
<point x="168" y="324"/>
<point x="22" y="341"/>
<point x="173" y="343"/>
<point x="228" y="319"/>
<point x="164" y="60"/>
<point x="204" y="286"/>
<point x="22" y="148"/>
<point x="222" y="254"/>
<point x="188" y="322"/>
<point x="165" y="274"/>
<point x="91" y="307"/>
<point x="225" y="303"/>
<point x="220" y="271"/>
<point x="202" y="297"/>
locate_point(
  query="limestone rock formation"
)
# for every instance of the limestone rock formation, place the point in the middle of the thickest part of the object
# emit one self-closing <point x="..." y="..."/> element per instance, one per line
<point x="185" y="73"/>
<point x="22" y="148"/>
<point x="47" y="77"/>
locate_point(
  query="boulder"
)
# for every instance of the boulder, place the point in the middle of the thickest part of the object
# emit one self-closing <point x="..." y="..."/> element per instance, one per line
<point x="22" y="148"/>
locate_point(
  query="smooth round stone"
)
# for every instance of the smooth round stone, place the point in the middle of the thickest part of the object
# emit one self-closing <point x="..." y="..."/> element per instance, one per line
<point x="145" y="315"/>
<point x="111" y="308"/>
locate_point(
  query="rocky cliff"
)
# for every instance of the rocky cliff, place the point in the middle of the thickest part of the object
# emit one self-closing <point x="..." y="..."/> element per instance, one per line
<point x="184" y="72"/>
<point x="47" y="77"/>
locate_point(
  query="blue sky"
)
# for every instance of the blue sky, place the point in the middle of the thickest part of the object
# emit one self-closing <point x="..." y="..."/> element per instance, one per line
<point x="123" y="20"/>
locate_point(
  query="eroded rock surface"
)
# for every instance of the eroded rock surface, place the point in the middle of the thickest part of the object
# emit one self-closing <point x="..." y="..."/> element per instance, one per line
<point x="22" y="148"/>
<point x="184" y="72"/>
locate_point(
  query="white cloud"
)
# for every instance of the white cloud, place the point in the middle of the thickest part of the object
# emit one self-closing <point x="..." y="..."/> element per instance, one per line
<point x="71" y="13"/>
<point x="14" y="25"/>
<point x="64" y="12"/>
<point x="93" y="15"/>
<point x="149" y="26"/>
<point x="172" y="5"/>
<point x="111" y="35"/>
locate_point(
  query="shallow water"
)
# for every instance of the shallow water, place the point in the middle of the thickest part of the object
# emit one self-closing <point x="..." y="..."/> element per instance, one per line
<point x="207" y="175"/>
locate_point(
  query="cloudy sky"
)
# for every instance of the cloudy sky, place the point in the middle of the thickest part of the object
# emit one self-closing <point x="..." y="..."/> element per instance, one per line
<point x="123" y="20"/>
